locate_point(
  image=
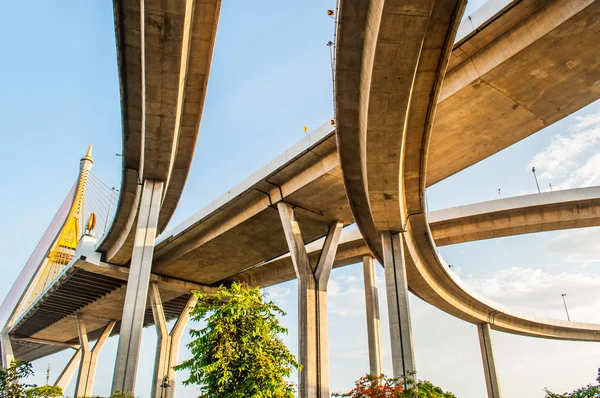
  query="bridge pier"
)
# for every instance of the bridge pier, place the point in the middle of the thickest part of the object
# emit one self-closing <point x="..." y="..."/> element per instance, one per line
<point x="167" y="344"/>
<point x="89" y="358"/>
<point x="7" y="351"/>
<point x="403" y="358"/>
<point x="372" y="305"/>
<point x="66" y="375"/>
<point x="312" y="303"/>
<point x="489" y="361"/>
<point x="136" y="296"/>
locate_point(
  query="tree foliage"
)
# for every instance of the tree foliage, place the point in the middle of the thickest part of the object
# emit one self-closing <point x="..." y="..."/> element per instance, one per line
<point x="10" y="379"/>
<point x="370" y="386"/>
<point x="589" y="391"/>
<point x="239" y="353"/>
<point x="46" y="391"/>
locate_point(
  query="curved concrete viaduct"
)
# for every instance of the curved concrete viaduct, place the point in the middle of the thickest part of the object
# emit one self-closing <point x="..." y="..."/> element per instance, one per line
<point x="199" y="252"/>
<point x="384" y="135"/>
<point x="520" y="66"/>
<point x="164" y="61"/>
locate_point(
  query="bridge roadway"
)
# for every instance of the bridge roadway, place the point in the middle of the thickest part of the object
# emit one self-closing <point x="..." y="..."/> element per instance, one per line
<point x="388" y="89"/>
<point x="240" y="237"/>
<point x="484" y="106"/>
<point x="164" y="64"/>
<point x="516" y="67"/>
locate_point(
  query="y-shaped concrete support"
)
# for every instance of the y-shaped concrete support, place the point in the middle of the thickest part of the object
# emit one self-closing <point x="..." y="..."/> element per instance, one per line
<point x="312" y="303"/>
<point x="130" y="336"/>
<point x="89" y="358"/>
<point x="66" y="375"/>
<point x="7" y="351"/>
<point x="167" y="344"/>
<point x="489" y="363"/>
<point x="372" y="304"/>
<point x="403" y="359"/>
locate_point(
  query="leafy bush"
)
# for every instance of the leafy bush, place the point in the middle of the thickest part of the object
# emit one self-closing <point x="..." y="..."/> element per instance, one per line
<point x="239" y="352"/>
<point x="46" y="391"/>
<point x="10" y="379"/>
<point x="370" y="386"/>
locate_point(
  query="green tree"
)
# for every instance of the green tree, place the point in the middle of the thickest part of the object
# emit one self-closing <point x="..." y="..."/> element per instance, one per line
<point x="46" y="391"/>
<point x="10" y="379"/>
<point x="239" y="353"/>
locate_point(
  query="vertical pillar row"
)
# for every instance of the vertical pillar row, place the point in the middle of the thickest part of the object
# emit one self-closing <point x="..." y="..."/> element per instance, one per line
<point x="89" y="358"/>
<point x="403" y="359"/>
<point x="372" y="305"/>
<point x="167" y="344"/>
<point x="136" y="296"/>
<point x="312" y="303"/>
<point x="489" y="362"/>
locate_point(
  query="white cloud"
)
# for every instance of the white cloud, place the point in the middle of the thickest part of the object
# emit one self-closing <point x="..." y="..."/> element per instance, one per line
<point x="578" y="246"/>
<point x="538" y="291"/>
<point x="572" y="160"/>
<point x="347" y="296"/>
<point x="587" y="121"/>
<point x="585" y="175"/>
<point x="277" y="292"/>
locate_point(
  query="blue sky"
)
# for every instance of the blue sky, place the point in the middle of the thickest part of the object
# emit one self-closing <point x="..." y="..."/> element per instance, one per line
<point x="271" y="76"/>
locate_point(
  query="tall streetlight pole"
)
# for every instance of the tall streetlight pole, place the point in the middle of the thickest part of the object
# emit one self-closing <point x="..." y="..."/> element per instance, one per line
<point x="536" y="181"/>
<point x="565" y="303"/>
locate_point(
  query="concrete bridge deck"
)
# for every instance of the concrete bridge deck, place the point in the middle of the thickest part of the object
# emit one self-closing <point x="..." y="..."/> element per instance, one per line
<point x="239" y="237"/>
<point x="163" y="71"/>
<point x="484" y="104"/>
<point x="520" y="67"/>
<point x="389" y="97"/>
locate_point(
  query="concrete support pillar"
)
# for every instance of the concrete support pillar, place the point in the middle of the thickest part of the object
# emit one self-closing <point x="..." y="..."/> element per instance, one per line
<point x="7" y="351"/>
<point x="167" y="345"/>
<point x="372" y="304"/>
<point x="312" y="304"/>
<point x="89" y="358"/>
<point x="489" y="362"/>
<point x="66" y="375"/>
<point x="403" y="359"/>
<point x="136" y="296"/>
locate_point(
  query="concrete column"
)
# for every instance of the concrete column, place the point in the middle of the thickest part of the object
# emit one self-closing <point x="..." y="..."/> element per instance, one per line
<point x="89" y="358"/>
<point x="167" y="344"/>
<point x="372" y="304"/>
<point x="403" y="359"/>
<point x="136" y="296"/>
<point x="489" y="362"/>
<point x="312" y="304"/>
<point x="7" y="351"/>
<point x="66" y="375"/>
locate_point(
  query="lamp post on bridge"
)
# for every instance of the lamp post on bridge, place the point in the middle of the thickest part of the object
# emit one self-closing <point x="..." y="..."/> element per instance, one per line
<point x="565" y="303"/>
<point x="536" y="181"/>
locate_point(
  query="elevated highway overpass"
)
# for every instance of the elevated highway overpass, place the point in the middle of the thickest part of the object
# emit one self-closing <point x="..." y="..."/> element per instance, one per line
<point x="390" y="84"/>
<point x="164" y="59"/>
<point x="239" y="237"/>
<point x="515" y="67"/>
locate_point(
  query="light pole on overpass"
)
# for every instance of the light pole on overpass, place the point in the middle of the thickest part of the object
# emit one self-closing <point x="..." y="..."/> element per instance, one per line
<point x="565" y="303"/>
<point x="536" y="181"/>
